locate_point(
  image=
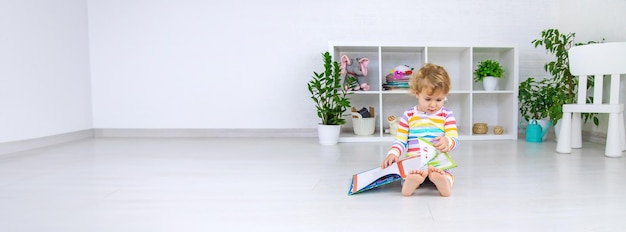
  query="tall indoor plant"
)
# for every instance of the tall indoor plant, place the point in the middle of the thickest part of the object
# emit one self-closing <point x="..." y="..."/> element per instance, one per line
<point x="565" y="83"/>
<point x="330" y="98"/>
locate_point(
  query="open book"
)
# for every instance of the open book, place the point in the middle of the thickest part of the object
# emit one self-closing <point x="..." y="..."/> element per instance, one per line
<point x="429" y="156"/>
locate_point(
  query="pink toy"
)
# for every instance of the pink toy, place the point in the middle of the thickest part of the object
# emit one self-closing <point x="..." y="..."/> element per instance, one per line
<point x="356" y="68"/>
<point x="402" y="71"/>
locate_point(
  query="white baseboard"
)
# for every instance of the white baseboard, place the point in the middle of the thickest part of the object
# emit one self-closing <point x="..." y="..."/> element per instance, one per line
<point x="28" y="144"/>
<point x="204" y="133"/>
<point x="594" y="137"/>
<point x="23" y="145"/>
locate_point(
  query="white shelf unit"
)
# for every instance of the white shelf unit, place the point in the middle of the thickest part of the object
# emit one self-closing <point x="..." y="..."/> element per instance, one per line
<point x="467" y="99"/>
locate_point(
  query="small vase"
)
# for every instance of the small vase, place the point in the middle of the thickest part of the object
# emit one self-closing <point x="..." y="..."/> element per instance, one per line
<point x="490" y="83"/>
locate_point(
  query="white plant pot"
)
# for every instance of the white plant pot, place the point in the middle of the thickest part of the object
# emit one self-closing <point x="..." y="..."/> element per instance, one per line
<point x="490" y="83"/>
<point x="328" y="134"/>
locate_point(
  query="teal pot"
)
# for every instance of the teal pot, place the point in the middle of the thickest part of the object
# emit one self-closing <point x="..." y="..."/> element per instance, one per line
<point x="535" y="133"/>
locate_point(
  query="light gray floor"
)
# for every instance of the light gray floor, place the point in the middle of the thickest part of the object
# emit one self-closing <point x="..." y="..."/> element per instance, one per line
<point x="297" y="185"/>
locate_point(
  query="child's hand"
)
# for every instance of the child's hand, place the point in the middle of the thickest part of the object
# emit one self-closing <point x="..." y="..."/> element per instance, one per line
<point x="391" y="158"/>
<point x="442" y="144"/>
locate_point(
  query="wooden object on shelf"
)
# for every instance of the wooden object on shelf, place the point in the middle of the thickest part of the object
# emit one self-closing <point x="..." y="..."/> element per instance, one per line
<point x="480" y="128"/>
<point x="498" y="130"/>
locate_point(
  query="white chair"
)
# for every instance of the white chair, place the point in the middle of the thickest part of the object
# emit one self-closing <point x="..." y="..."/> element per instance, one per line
<point x="595" y="60"/>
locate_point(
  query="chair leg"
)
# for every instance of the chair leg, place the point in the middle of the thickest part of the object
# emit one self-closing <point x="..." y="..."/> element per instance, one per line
<point x="622" y="131"/>
<point x="577" y="136"/>
<point x="613" y="134"/>
<point x="564" y="143"/>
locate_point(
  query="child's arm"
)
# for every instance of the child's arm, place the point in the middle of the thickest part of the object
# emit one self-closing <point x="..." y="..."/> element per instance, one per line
<point x="449" y="141"/>
<point x="399" y="144"/>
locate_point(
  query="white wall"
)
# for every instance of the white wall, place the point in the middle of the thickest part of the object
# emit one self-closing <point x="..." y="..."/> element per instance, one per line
<point x="584" y="19"/>
<point x="594" y="19"/>
<point x="240" y="64"/>
<point x="245" y="64"/>
<point x="44" y="68"/>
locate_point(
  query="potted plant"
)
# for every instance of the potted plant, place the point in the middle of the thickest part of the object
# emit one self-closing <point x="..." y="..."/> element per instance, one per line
<point x="564" y="83"/>
<point x="535" y="99"/>
<point x="488" y="71"/>
<point x="330" y="98"/>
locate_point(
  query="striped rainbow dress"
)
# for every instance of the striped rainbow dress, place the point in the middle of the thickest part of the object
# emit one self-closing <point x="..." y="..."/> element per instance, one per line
<point x="414" y="124"/>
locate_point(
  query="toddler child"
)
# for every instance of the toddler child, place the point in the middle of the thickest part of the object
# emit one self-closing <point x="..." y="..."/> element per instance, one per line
<point x="430" y="120"/>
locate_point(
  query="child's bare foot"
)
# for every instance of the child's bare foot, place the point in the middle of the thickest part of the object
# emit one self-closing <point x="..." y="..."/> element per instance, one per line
<point x="441" y="181"/>
<point x="413" y="181"/>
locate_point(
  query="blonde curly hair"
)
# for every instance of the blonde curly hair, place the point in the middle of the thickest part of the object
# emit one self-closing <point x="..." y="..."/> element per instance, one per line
<point x="431" y="78"/>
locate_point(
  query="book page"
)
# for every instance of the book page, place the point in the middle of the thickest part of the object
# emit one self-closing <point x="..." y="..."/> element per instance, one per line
<point x="429" y="156"/>
<point x="400" y="168"/>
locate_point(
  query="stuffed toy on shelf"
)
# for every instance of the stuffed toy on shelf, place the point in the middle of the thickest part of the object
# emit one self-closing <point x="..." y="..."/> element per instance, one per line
<point x="356" y="68"/>
<point x="402" y="72"/>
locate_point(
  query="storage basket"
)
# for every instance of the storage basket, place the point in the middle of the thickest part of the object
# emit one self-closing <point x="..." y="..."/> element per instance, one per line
<point x="363" y="126"/>
<point x="498" y="130"/>
<point x="480" y="128"/>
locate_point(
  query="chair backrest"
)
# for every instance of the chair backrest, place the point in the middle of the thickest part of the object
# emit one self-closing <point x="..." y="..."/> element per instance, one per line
<point x="598" y="60"/>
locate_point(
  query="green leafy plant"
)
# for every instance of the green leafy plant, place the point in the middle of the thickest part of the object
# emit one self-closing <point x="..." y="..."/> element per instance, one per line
<point x="488" y="68"/>
<point x="330" y="97"/>
<point x="565" y="84"/>
<point x="535" y="98"/>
